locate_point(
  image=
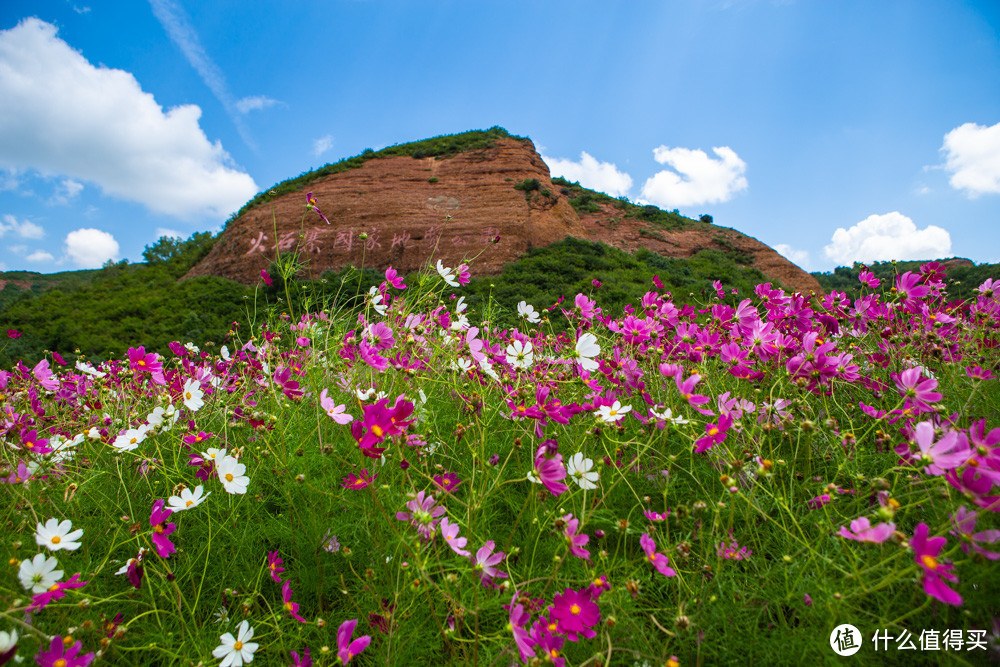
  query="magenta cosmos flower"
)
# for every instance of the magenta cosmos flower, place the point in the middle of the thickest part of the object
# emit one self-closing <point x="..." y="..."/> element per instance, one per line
<point x="576" y="542"/>
<point x="917" y="390"/>
<point x="575" y="614"/>
<point x="161" y="530"/>
<point x="964" y="522"/>
<point x="56" y="591"/>
<point x="347" y="649"/>
<point x="925" y="554"/>
<point x="657" y="560"/>
<point x="549" y="471"/>
<point x="274" y="565"/>
<point x="714" y="434"/>
<point x="361" y="481"/>
<point x="291" y="607"/>
<point x="61" y="655"/>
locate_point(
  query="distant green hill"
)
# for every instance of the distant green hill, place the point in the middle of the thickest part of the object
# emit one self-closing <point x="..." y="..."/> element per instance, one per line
<point x="961" y="281"/>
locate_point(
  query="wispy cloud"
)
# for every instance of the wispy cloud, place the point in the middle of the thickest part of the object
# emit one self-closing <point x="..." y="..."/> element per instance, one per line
<point x="24" y="229"/>
<point x="322" y="145"/>
<point x="175" y="21"/>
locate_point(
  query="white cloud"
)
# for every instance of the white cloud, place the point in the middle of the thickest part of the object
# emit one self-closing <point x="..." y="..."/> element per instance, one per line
<point x="254" y="103"/>
<point x="798" y="257"/>
<point x="90" y="248"/>
<point x="322" y="145"/>
<point x="880" y="238"/>
<point x="22" y="228"/>
<point x="695" y="177"/>
<point x="18" y="249"/>
<point x="170" y="233"/>
<point x="67" y="191"/>
<point x="590" y="173"/>
<point x="973" y="157"/>
<point x="39" y="256"/>
<point x="96" y="124"/>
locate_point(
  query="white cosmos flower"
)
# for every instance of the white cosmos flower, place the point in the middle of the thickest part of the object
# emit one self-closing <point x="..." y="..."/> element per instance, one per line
<point x="188" y="499"/>
<point x="138" y="559"/>
<point x="193" y="395"/>
<point x="462" y="364"/>
<point x="131" y="438"/>
<point x="39" y="573"/>
<point x="488" y="368"/>
<point x="364" y="394"/>
<point x="377" y="301"/>
<point x="613" y="413"/>
<point x="527" y="311"/>
<point x="231" y="475"/>
<point x="460" y="305"/>
<point x="668" y="416"/>
<point x="213" y="454"/>
<point x="8" y="640"/>
<point x="578" y="469"/>
<point x="585" y="351"/>
<point x="460" y="324"/>
<point x="56" y="535"/>
<point x="224" y="353"/>
<point x="89" y="369"/>
<point x="519" y="354"/>
<point x="447" y="274"/>
<point x="234" y="651"/>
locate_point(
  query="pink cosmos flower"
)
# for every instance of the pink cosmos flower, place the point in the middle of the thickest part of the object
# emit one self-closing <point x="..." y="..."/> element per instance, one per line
<point x="379" y="422"/>
<point x="549" y="471"/>
<point x="518" y="618"/>
<point x="925" y="553"/>
<point x="450" y="532"/>
<point x="423" y="515"/>
<point x="868" y="279"/>
<point x="818" y="501"/>
<point x="361" y="481"/>
<point x="917" y="390"/>
<point x="863" y="531"/>
<point x="301" y="661"/>
<point x="657" y="560"/>
<point x="733" y="551"/>
<point x="964" y="522"/>
<point x="19" y="476"/>
<point x="291" y="607"/>
<point x="346" y="649"/>
<point x="274" y="565"/>
<point x="686" y="388"/>
<point x="714" y="433"/>
<point x="979" y="373"/>
<point x="196" y="438"/>
<point x="62" y="655"/>
<point x="575" y="614"/>
<point x="161" y="542"/>
<point x="55" y="592"/>
<point x="485" y="563"/>
<point x="910" y="290"/>
<point x="950" y="451"/>
<point x="313" y="206"/>
<point x="394" y="278"/>
<point x="447" y="482"/>
<point x="13" y="333"/>
<point x="335" y="412"/>
<point x="576" y="542"/>
<point x="283" y="378"/>
<point x="266" y="277"/>
<point x="656" y="516"/>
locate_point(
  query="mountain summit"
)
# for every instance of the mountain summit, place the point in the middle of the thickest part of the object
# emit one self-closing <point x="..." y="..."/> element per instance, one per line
<point x="481" y="197"/>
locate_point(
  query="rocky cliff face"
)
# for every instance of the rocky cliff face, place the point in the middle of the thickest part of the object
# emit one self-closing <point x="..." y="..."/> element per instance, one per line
<point x="403" y="211"/>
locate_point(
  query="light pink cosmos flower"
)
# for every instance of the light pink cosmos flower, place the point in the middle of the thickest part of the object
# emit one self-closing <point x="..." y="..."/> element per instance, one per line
<point x="485" y="562"/>
<point x="657" y="560"/>
<point x="950" y="451"/>
<point x="925" y="553"/>
<point x="336" y="412"/>
<point x="450" y="532"/>
<point x="863" y="531"/>
<point x="917" y="390"/>
<point x="423" y="515"/>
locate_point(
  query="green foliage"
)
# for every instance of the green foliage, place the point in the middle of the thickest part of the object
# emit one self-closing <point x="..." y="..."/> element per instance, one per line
<point x="568" y="267"/>
<point x="102" y="313"/>
<point x="443" y="146"/>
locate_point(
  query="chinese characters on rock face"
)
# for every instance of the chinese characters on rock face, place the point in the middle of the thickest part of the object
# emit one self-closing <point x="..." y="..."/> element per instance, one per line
<point x="373" y="243"/>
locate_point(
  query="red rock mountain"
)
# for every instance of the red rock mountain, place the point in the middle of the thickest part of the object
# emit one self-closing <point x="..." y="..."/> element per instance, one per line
<point x="403" y="211"/>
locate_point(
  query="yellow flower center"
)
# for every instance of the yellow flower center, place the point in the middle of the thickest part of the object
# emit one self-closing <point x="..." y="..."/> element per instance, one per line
<point x="652" y="557"/>
<point x="575" y="610"/>
<point x="158" y="528"/>
<point x="929" y="562"/>
<point x="68" y="640"/>
<point x="229" y="476"/>
<point x="713" y="431"/>
<point x="189" y="503"/>
<point x="377" y="430"/>
<point x="612" y="413"/>
<point x="238" y="645"/>
<point x="288" y="606"/>
<point x="59" y="663"/>
<point x="553" y="627"/>
<point x="53" y="587"/>
<point x="56" y="539"/>
<point x="598" y="583"/>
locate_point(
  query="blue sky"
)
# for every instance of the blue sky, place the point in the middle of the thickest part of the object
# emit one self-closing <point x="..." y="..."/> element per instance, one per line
<point x="835" y="132"/>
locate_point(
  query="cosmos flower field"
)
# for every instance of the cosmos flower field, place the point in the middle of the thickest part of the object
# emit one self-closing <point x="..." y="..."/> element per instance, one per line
<point x="407" y="483"/>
